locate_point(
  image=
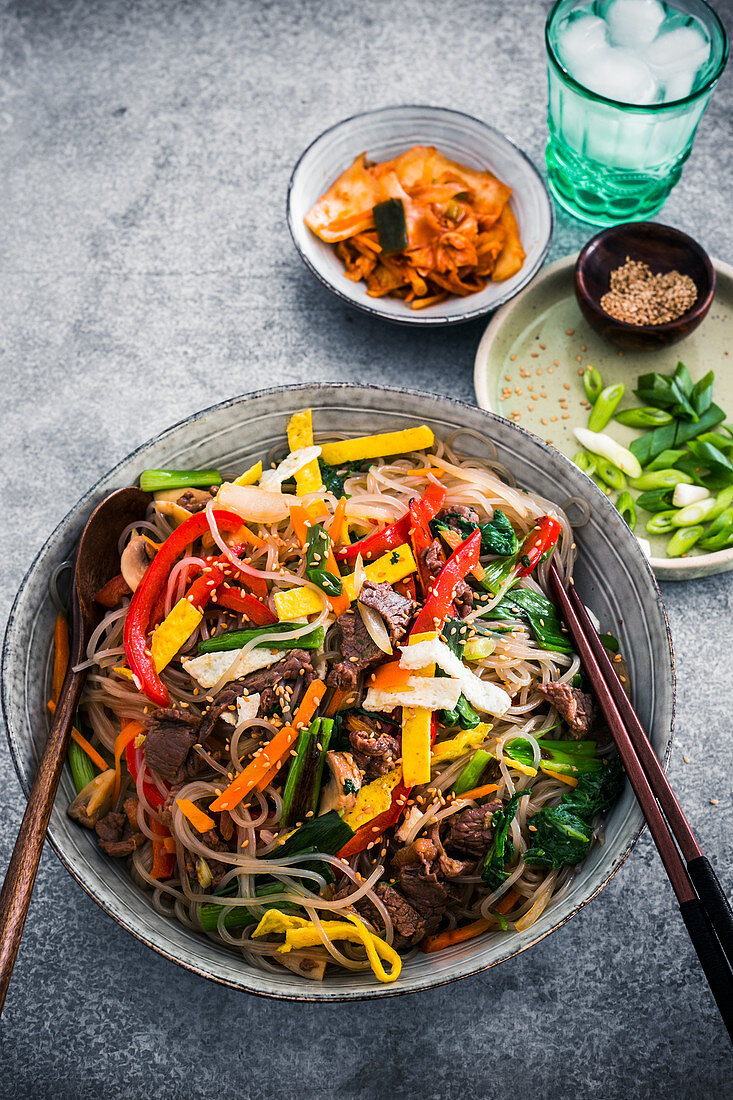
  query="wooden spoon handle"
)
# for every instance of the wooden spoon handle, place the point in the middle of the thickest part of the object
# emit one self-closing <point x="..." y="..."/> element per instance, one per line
<point x="21" y="873"/>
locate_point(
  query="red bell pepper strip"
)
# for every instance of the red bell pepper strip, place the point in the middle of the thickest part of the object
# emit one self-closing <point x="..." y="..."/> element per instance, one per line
<point x="246" y="604"/>
<point x="204" y="587"/>
<point x="371" y="831"/>
<point x="113" y="591"/>
<point x="137" y="621"/>
<point x="151" y="792"/>
<point x="164" y="862"/>
<point x="437" y="606"/>
<point x="377" y="544"/>
<point x="421" y="537"/>
<point x="538" y="542"/>
<point x="257" y="583"/>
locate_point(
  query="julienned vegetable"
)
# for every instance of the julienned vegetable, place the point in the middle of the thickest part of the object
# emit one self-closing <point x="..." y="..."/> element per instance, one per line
<point x="235" y="639"/>
<point x="155" y="481"/>
<point x="303" y="786"/>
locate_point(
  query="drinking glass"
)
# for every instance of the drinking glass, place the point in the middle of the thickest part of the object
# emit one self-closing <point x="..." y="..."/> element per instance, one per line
<point x="611" y="162"/>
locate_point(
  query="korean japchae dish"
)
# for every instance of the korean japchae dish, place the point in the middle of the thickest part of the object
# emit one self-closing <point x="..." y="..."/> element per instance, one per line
<point x="331" y="713"/>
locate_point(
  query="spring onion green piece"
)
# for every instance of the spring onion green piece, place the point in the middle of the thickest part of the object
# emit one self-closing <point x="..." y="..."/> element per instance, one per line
<point x="694" y="513"/>
<point x="476" y="649"/>
<point x="683" y="540"/>
<point x="688" y="494"/>
<point x="662" y="523"/>
<point x="605" y="406"/>
<point x="656" y="500"/>
<point x="627" y="509"/>
<point x="644" y="417"/>
<point x="585" y="463"/>
<point x="82" y="768"/>
<point x="604" y="445"/>
<point x="647" y="446"/>
<point x="719" y="534"/>
<point x="666" y="460"/>
<point x="660" y="479"/>
<point x="610" y="474"/>
<point x="593" y="383"/>
<point x="317" y="548"/>
<point x="235" y="639"/>
<point x="303" y="785"/>
<point x="471" y="774"/>
<point x="723" y="501"/>
<point x="242" y="915"/>
<point x="157" y="481"/>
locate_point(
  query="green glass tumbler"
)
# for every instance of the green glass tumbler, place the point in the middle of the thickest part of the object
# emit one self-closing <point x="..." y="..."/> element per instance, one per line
<point x="608" y="161"/>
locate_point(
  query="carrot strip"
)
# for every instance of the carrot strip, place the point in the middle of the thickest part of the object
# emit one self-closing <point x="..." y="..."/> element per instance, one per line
<point x="455" y="935"/>
<point x="130" y="730"/>
<point x="60" y="656"/>
<point x="479" y="792"/>
<point x="91" y="752"/>
<point x="337" y="523"/>
<point x="197" y="817"/>
<point x="390" y="677"/>
<point x="169" y="843"/>
<point x="301" y="521"/>
<point x="569" y="779"/>
<point x="436" y="471"/>
<point x="249" y="536"/>
<point x="269" y="759"/>
<point x="337" y="701"/>
<point x="504" y="904"/>
<point x="163" y="860"/>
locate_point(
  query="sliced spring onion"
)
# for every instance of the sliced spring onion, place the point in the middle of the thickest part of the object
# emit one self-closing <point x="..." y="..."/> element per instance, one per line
<point x="593" y="383"/>
<point x="662" y="523"/>
<point x="610" y="474"/>
<point x="476" y="649"/>
<point x="660" y="479"/>
<point x="585" y="463"/>
<point x="82" y="768"/>
<point x="688" y="494"/>
<point x="598" y="443"/>
<point x="474" y="769"/>
<point x="683" y="540"/>
<point x="235" y="639"/>
<point x="644" y="417"/>
<point x="156" y="481"/>
<point x="627" y="509"/>
<point x="605" y="406"/>
<point x="694" y="513"/>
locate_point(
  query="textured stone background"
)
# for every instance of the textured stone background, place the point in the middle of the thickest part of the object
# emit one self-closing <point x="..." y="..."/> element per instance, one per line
<point x="146" y="271"/>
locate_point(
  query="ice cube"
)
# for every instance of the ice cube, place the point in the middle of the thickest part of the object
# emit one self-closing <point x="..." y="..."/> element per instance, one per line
<point x="618" y="73"/>
<point x="678" y="86"/>
<point x="633" y="22"/>
<point x="683" y="49"/>
<point x="579" y="38"/>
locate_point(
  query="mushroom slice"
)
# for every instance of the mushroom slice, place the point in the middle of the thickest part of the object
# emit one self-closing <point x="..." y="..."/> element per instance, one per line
<point x="94" y="800"/>
<point x="135" y="559"/>
<point x="344" y="782"/>
<point x="307" y="966"/>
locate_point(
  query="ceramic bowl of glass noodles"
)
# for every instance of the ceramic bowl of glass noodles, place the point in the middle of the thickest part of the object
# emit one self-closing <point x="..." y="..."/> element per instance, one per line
<point x="466" y="451"/>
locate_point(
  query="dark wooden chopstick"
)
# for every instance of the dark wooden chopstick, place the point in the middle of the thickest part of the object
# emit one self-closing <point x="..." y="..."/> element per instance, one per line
<point x="708" y="924"/>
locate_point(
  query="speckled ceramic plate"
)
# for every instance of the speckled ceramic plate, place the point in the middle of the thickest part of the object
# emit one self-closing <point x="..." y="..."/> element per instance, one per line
<point x="384" y="134"/>
<point x="529" y="368"/>
<point x="612" y="575"/>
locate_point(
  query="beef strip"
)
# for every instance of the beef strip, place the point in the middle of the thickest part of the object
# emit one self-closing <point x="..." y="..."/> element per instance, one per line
<point x="448" y="866"/>
<point x="434" y="560"/>
<point x="376" y="749"/>
<point x="396" y="610"/>
<point x="470" y="832"/>
<point x="275" y="685"/>
<point x="462" y="510"/>
<point x="422" y="882"/>
<point x="358" y="652"/>
<point x="408" y="925"/>
<point x="171" y="734"/>
<point x="116" y="836"/>
<point x="576" y="707"/>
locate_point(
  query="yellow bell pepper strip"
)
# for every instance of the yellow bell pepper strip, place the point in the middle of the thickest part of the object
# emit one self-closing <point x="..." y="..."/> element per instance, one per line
<point x="200" y="820"/>
<point x="250" y="476"/>
<point x="301" y="933"/>
<point x="269" y="759"/>
<point x="294" y="603"/>
<point x="378" y="446"/>
<point x="300" y="434"/>
<point x="173" y="632"/>
<point x="416" y="730"/>
<point x="391" y="567"/>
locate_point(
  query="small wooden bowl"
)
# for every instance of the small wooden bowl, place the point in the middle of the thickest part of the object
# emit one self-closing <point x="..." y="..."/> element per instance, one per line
<point x="663" y="249"/>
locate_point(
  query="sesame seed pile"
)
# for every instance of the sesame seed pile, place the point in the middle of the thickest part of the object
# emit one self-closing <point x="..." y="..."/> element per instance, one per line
<point x="640" y="298"/>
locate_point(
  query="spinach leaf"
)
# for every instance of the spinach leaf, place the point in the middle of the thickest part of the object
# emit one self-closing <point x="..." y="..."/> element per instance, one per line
<point x="333" y="477"/>
<point x="497" y="537"/>
<point x="539" y="613"/>
<point x="493" y="872"/>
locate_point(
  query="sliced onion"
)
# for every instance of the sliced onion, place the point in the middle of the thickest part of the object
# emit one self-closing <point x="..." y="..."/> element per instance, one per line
<point x="359" y="576"/>
<point x="376" y="629"/>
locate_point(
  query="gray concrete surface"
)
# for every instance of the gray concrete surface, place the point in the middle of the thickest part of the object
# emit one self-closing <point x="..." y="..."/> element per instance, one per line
<point x="145" y="271"/>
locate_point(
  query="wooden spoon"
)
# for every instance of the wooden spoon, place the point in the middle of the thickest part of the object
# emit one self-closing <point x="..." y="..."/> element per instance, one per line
<point x="97" y="561"/>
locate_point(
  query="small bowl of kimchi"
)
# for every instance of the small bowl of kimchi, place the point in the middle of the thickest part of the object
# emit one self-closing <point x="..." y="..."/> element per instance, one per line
<point x="419" y="215"/>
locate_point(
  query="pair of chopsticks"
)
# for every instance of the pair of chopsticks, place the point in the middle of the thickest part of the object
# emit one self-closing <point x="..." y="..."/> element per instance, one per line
<point x="704" y="907"/>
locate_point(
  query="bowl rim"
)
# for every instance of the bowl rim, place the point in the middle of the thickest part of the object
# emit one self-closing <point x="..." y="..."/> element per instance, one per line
<point x="378" y="991"/>
<point x="418" y="317"/>
<point x="697" y="311"/>
<point x="667" y="569"/>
